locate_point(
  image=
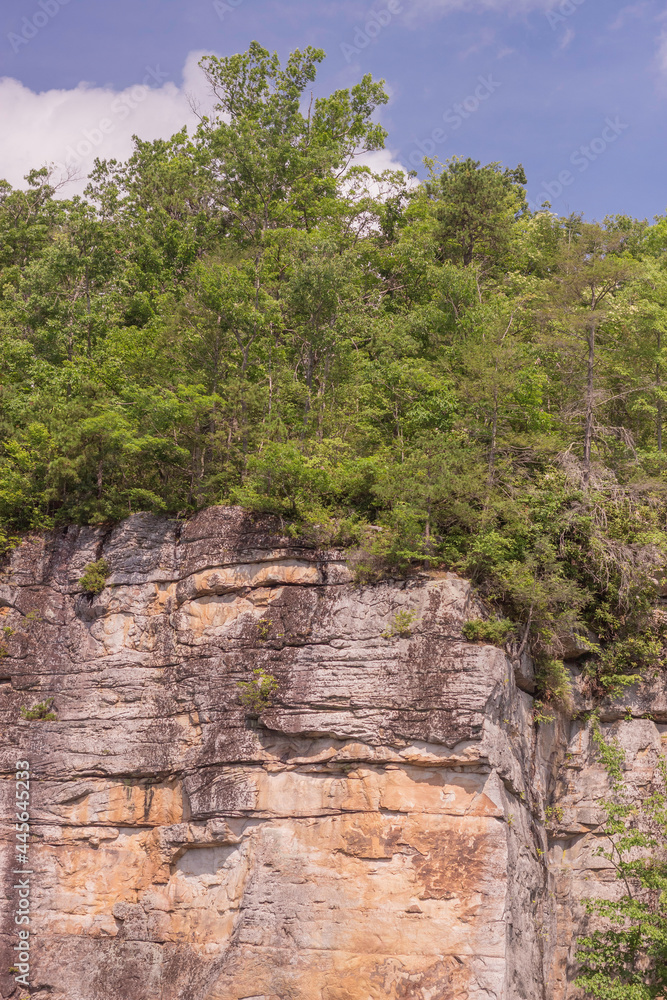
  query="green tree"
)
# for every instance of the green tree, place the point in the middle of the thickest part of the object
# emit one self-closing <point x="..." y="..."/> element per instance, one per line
<point x="475" y="208"/>
<point x="627" y="958"/>
<point x="591" y="269"/>
<point x="274" y="166"/>
<point x="426" y="373"/>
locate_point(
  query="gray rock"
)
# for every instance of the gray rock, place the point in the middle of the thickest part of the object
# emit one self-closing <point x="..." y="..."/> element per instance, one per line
<point x="392" y="825"/>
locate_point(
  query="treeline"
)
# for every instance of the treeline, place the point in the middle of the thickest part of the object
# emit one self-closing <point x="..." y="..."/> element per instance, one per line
<point x="242" y="315"/>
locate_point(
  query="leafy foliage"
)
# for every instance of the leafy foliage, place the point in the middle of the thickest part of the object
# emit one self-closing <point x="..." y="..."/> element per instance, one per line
<point x="41" y="712"/>
<point x="429" y="375"/>
<point x="95" y="576"/>
<point x="554" y="684"/>
<point x="627" y="960"/>
<point x="494" y="631"/>
<point x="257" y="694"/>
<point x="401" y="624"/>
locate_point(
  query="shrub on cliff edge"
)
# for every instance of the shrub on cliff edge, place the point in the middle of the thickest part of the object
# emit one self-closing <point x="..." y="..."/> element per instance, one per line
<point x="95" y="576"/>
<point x="257" y="694"/>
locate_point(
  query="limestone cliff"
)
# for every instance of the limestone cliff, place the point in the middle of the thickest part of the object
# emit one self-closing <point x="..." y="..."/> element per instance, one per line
<point x="392" y="827"/>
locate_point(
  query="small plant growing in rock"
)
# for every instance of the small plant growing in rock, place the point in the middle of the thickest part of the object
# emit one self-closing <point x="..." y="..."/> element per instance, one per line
<point x="9" y="631"/>
<point x="263" y="628"/>
<point x="554" y="683"/>
<point x="41" y="712"/>
<point x="401" y="625"/>
<point x="33" y="616"/>
<point x="494" y="631"/>
<point x="3" y="651"/>
<point x="542" y="716"/>
<point x="95" y="576"/>
<point x="554" y="814"/>
<point x="257" y="694"/>
<point x="624" y="957"/>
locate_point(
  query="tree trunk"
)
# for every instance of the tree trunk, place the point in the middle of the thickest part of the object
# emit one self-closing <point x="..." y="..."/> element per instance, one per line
<point x="588" y="431"/>
<point x="88" y="314"/>
<point x="494" y="436"/>
<point x="658" y="382"/>
<point x="309" y="382"/>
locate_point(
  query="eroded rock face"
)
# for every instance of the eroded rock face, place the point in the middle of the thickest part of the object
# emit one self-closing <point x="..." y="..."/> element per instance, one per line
<point x="380" y="832"/>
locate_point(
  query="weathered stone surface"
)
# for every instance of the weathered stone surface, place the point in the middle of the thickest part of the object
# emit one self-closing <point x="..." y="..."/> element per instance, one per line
<point x="385" y="829"/>
<point x="573" y="645"/>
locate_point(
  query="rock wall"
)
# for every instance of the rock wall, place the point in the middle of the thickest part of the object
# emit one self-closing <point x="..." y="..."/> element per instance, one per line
<point x="392" y="827"/>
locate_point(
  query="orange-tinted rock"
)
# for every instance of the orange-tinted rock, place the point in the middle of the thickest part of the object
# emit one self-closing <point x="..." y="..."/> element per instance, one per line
<point x="378" y="832"/>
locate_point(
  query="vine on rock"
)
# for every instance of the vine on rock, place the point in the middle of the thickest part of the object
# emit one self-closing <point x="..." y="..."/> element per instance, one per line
<point x="627" y="958"/>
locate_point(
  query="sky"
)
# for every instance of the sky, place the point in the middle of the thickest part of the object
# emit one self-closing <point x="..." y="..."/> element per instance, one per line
<point x="575" y="90"/>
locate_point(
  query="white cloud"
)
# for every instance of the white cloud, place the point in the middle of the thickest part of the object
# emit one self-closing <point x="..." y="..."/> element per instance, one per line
<point x="69" y="128"/>
<point x="433" y="8"/>
<point x="632" y="11"/>
<point x="380" y="160"/>
<point x="661" y="58"/>
<point x="486" y="37"/>
<point x="645" y="11"/>
<point x="72" y="127"/>
<point x="567" y="39"/>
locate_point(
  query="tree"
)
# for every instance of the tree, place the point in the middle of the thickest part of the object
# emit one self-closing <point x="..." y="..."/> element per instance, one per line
<point x="476" y="207"/>
<point x="648" y="342"/>
<point x="275" y="167"/>
<point x="248" y="315"/>
<point x="627" y="960"/>
<point x="591" y="269"/>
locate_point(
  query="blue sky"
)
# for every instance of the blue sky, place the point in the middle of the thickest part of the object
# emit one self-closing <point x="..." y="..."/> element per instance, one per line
<point x="576" y="90"/>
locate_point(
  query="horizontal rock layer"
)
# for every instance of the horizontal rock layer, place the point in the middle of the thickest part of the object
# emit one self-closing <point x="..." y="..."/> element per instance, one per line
<point x="391" y="827"/>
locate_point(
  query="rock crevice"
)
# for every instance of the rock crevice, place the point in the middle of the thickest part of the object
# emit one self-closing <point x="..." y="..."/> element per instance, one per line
<point x="380" y="831"/>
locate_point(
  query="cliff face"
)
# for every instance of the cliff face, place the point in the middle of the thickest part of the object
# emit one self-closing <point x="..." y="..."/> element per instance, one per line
<point x="391" y="827"/>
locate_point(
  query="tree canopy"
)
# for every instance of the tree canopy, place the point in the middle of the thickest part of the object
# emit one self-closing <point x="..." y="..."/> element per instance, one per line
<point x="427" y="374"/>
